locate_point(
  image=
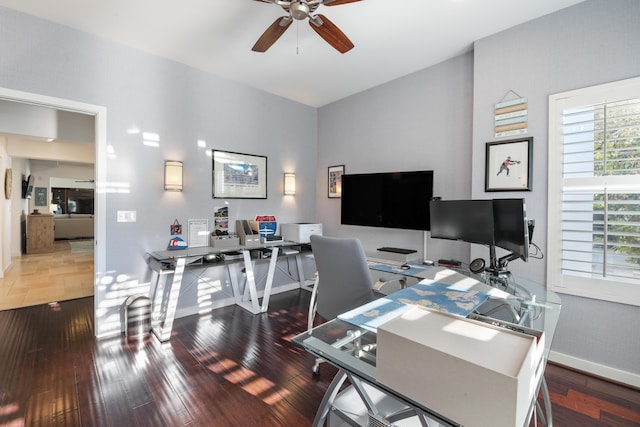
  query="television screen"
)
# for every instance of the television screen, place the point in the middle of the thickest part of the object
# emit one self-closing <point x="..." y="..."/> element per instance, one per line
<point x="467" y="220"/>
<point x="80" y="201"/>
<point x="511" y="228"/>
<point x="27" y="187"/>
<point x="390" y="200"/>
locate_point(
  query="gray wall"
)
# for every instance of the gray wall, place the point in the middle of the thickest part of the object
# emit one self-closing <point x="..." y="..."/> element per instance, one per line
<point x="588" y="44"/>
<point x="419" y="122"/>
<point x="182" y="105"/>
<point x="441" y="118"/>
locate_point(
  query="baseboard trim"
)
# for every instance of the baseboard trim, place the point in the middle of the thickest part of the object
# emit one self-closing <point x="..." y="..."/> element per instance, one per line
<point x="613" y="374"/>
<point x="229" y="300"/>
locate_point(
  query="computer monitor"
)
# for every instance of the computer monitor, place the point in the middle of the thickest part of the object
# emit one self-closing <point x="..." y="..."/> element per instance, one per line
<point x="466" y="220"/>
<point x="510" y="226"/>
<point x="497" y="223"/>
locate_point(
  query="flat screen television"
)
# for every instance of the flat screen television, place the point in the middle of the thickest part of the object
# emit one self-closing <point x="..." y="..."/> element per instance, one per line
<point x="79" y="201"/>
<point x="389" y="199"/>
<point x="27" y="187"/>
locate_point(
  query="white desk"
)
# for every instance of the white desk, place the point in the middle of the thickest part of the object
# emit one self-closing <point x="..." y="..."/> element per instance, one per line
<point x="164" y="293"/>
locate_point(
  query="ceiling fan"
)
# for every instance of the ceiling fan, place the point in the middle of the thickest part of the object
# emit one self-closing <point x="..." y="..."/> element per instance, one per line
<point x="300" y="10"/>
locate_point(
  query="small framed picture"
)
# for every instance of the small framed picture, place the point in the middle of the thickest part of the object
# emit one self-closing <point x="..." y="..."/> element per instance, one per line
<point x="41" y="196"/>
<point x="509" y="165"/>
<point x="198" y="233"/>
<point x="176" y="228"/>
<point x="335" y="181"/>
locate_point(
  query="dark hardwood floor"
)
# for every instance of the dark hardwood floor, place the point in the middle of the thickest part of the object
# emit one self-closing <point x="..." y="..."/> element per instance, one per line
<point x="226" y="368"/>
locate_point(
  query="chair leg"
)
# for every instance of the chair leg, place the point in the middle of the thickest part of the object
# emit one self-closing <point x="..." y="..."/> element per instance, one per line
<point x="316" y="366"/>
<point x="312" y="315"/>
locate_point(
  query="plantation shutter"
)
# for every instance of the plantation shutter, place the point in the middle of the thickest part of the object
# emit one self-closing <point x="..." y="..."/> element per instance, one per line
<point x="600" y="206"/>
<point x="598" y="190"/>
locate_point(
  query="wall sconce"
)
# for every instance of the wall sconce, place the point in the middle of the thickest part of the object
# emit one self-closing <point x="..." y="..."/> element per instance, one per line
<point x="172" y="175"/>
<point x="289" y="184"/>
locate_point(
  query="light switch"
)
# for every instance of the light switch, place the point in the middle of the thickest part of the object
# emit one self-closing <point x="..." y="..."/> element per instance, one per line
<point x="126" y="216"/>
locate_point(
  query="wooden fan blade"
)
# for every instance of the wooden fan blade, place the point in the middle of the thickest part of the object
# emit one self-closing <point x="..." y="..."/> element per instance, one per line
<point x="337" y="2"/>
<point x="331" y="34"/>
<point x="272" y="34"/>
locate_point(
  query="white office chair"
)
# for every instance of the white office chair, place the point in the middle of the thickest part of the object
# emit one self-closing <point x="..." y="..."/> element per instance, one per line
<point x="343" y="281"/>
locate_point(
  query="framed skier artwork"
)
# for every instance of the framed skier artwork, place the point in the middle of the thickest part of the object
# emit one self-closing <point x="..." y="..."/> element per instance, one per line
<point x="509" y="165"/>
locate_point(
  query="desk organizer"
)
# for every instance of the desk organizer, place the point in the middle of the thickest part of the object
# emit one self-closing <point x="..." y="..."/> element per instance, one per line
<point x="469" y="371"/>
<point x="224" y="242"/>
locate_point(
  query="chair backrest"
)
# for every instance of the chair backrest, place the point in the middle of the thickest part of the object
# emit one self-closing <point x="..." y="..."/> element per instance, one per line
<point x="344" y="278"/>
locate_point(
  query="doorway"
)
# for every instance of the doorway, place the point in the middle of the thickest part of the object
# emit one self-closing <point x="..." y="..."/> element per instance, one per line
<point x="63" y="106"/>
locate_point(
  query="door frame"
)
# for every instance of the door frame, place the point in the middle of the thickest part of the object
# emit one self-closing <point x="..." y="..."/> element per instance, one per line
<point x="100" y="115"/>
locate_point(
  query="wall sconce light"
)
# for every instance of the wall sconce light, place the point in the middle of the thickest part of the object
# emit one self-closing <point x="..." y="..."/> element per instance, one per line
<point x="289" y="184"/>
<point x="172" y="175"/>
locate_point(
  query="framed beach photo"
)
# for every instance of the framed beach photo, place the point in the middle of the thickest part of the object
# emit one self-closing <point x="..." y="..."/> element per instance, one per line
<point x="238" y="175"/>
<point x="335" y="181"/>
<point x="509" y="165"/>
<point x="41" y="196"/>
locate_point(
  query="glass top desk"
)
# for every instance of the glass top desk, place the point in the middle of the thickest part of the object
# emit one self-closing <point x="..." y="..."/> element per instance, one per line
<point x="164" y="293"/>
<point x="352" y="349"/>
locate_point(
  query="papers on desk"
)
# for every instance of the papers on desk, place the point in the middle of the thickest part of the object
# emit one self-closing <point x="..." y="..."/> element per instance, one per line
<point x="447" y="298"/>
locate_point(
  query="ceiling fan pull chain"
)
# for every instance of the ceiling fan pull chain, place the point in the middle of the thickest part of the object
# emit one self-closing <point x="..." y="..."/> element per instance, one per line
<point x="297" y="38"/>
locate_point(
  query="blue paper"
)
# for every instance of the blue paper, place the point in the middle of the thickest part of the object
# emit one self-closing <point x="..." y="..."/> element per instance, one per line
<point x="434" y="295"/>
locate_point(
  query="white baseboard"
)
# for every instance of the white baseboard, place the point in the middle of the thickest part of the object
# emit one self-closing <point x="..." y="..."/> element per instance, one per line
<point x="229" y="300"/>
<point x="613" y="374"/>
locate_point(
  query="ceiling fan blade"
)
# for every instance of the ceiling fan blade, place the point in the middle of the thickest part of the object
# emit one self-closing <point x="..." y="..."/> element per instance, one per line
<point x="330" y="33"/>
<point x="336" y="2"/>
<point x="272" y="34"/>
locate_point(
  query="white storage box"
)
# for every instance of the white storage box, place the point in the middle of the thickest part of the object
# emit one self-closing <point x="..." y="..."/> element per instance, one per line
<point x="301" y="232"/>
<point x="469" y="371"/>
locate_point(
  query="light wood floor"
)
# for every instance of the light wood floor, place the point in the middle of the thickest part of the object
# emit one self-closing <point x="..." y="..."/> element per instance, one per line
<point x="50" y="277"/>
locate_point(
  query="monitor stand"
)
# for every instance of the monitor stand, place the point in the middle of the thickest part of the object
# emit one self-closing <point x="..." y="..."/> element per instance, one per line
<point x="498" y="266"/>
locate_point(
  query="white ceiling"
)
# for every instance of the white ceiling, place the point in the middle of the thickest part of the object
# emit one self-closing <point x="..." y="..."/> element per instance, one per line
<point x="392" y="38"/>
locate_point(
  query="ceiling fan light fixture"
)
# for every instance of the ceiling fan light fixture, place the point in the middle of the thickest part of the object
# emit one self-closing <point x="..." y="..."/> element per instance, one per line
<point x="299" y="10"/>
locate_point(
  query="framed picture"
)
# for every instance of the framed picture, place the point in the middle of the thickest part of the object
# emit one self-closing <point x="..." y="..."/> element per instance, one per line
<point x="41" y="196"/>
<point x="509" y="165"/>
<point x="335" y="181"/>
<point x="198" y="233"/>
<point x="239" y="176"/>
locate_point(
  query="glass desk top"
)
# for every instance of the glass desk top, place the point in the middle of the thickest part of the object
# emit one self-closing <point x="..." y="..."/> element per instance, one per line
<point x="514" y="303"/>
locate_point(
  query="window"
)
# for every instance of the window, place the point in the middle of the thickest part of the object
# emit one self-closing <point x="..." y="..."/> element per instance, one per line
<point x="594" y="192"/>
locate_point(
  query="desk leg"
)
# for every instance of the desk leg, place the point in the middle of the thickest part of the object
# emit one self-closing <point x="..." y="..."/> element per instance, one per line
<point x="156" y="291"/>
<point x="253" y="305"/>
<point x="251" y="283"/>
<point x="548" y="419"/>
<point x="301" y="279"/>
<point x="166" y="316"/>
<point x="328" y="398"/>
<point x="235" y="287"/>
<point x="267" y="286"/>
